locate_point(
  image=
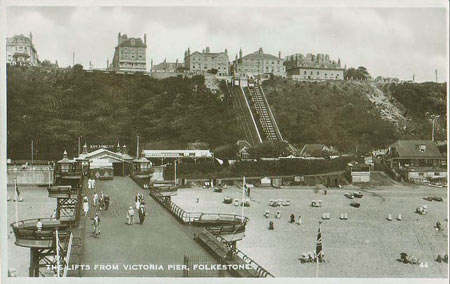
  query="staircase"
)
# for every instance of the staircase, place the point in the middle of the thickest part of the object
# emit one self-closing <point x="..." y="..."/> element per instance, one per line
<point x="262" y="112"/>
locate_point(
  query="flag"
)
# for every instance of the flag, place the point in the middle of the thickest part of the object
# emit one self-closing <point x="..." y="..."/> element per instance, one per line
<point x="319" y="244"/>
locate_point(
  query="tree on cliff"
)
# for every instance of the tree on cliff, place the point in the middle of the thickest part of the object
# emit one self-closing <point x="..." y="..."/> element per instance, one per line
<point x="360" y="73"/>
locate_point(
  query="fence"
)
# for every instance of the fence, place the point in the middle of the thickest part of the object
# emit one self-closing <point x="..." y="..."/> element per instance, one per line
<point x="237" y="224"/>
<point x="258" y="268"/>
<point x="30" y="176"/>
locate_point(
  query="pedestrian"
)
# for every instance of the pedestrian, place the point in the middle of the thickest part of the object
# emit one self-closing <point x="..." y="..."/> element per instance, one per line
<point x="130" y="215"/>
<point x="39" y="225"/>
<point x="96" y="225"/>
<point x="85" y="205"/>
<point x="141" y="214"/>
<point x="271" y="225"/>
<point x="292" y="219"/>
<point x="438" y="226"/>
<point x="53" y="217"/>
<point x="93" y="183"/>
<point x="278" y="215"/>
<point x="299" y="222"/>
<point x="106" y="201"/>
<point x="101" y="201"/>
<point x="248" y="191"/>
<point x="198" y="199"/>
<point x="95" y="199"/>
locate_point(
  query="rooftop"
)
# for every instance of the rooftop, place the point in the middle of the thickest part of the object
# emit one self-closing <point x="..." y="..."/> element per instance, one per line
<point x="259" y="54"/>
<point x="416" y="148"/>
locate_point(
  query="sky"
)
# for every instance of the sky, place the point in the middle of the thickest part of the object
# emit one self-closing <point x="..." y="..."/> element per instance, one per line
<point x="394" y="42"/>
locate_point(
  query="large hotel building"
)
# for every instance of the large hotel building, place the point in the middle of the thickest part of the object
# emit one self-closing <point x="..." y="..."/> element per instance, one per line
<point x="130" y="54"/>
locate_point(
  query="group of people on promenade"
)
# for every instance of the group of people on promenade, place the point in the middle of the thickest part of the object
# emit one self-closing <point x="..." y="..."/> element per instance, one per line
<point x="99" y="202"/>
<point x="139" y="205"/>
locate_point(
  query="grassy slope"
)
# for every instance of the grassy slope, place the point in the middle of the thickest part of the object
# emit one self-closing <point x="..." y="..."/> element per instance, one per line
<point x="54" y="107"/>
<point x="340" y="113"/>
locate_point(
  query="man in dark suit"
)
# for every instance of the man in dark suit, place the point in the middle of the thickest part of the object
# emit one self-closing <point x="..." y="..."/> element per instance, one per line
<point x="142" y="214"/>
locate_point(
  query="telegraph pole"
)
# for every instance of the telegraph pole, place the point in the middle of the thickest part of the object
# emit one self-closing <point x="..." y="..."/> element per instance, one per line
<point x="137" y="147"/>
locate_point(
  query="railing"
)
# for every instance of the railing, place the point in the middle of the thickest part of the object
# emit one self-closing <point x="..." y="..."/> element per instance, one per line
<point x="191" y="217"/>
<point x="245" y="118"/>
<point x="258" y="268"/>
<point x="274" y="122"/>
<point x="67" y="258"/>
<point x="237" y="224"/>
<point x="251" y="114"/>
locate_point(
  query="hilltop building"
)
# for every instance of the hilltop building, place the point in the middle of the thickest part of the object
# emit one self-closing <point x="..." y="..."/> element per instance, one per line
<point x="313" y="67"/>
<point x="20" y="51"/>
<point x="130" y="54"/>
<point x="166" y="67"/>
<point x="200" y="62"/>
<point x="258" y="63"/>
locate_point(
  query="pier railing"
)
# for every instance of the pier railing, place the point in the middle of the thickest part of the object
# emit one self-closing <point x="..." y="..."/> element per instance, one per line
<point x="230" y="224"/>
<point x="258" y="268"/>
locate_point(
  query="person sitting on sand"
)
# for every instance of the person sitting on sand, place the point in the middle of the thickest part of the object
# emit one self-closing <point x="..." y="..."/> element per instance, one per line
<point x="292" y="218"/>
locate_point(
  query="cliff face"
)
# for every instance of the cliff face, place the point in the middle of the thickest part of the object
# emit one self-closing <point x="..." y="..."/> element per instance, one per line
<point x="349" y="114"/>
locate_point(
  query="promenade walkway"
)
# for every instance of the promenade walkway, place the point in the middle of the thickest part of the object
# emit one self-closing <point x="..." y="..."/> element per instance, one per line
<point x="161" y="240"/>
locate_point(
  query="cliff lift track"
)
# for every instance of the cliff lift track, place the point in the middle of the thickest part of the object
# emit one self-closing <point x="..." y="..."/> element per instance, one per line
<point x="245" y="117"/>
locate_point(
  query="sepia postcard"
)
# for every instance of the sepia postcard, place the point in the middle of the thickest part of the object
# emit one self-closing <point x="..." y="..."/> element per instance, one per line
<point x="224" y="141"/>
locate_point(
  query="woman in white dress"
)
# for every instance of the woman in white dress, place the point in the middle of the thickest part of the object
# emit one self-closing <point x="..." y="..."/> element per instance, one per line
<point x="85" y="205"/>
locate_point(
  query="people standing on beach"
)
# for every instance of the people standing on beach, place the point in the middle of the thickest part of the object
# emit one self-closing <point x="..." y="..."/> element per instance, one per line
<point x="292" y="219"/>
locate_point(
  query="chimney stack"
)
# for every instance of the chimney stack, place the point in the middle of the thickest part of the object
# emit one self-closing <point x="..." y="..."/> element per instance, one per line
<point x="118" y="39"/>
<point x="145" y="39"/>
<point x="240" y="52"/>
<point x="31" y="38"/>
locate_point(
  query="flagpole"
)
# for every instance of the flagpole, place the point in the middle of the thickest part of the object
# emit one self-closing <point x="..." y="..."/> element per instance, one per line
<point x="320" y="252"/>
<point x="57" y="253"/>
<point x="17" y="200"/>
<point x="243" y="189"/>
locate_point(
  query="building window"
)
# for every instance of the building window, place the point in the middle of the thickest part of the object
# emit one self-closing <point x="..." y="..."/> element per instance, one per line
<point x="317" y="72"/>
<point x="437" y="174"/>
